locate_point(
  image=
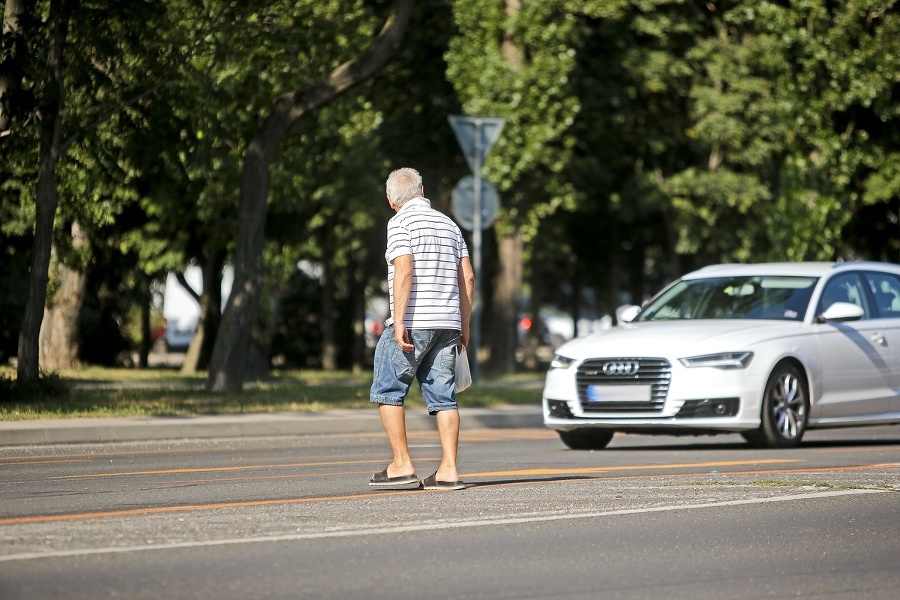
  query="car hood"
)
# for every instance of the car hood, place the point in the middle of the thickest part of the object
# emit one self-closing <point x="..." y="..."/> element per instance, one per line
<point x="678" y="338"/>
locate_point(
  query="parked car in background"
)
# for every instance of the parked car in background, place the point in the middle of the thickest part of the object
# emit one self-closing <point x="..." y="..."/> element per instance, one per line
<point x="764" y="350"/>
<point x="534" y="342"/>
<point x="181" y="310"/>
<point x="374" y="328"/>
<point x="541" y="336"/>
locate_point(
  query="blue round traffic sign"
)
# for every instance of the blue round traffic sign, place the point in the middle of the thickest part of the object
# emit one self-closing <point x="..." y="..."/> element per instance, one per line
<point x="463" y="203"/>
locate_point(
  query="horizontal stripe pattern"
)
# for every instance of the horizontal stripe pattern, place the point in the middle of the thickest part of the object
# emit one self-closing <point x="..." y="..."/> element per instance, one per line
<point x="436" y="245"/>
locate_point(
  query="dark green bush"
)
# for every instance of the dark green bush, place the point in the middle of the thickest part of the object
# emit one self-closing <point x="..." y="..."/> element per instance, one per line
<point x="48" y="386"/>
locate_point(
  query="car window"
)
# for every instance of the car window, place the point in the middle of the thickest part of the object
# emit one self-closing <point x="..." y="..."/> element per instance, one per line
<point x="845" y="287"/>
<point x="756" y="297"/>
<point x="885" y="289"/>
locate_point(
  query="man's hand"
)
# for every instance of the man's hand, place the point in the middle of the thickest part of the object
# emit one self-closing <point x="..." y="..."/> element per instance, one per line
<point x="401" y="336"/>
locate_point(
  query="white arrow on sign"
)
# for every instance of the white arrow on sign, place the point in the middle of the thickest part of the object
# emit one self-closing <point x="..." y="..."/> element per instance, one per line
<point x="476" y="136"/>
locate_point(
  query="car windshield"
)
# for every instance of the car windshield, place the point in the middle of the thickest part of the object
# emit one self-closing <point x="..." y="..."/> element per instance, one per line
<point x="755" y="297"/>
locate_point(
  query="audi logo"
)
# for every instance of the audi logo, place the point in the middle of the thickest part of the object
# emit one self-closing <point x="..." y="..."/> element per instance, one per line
<point x="621" y="367"/>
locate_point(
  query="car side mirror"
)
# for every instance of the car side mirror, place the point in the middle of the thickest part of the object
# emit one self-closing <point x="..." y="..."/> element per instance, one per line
<point x="841" y="311"/>
<point x="627" y="313"/>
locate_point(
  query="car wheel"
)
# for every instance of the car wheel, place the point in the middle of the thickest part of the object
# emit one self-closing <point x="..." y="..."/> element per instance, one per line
<point x="785" y="410"/>
<point x="586" y="439"/>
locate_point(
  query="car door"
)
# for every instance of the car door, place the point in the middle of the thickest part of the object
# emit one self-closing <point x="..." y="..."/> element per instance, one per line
<point x="855" y="375"/>
<point x="885" y="291"/>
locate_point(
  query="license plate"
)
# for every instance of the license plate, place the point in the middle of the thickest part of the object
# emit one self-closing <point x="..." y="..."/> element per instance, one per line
<point x="619" y="393"/>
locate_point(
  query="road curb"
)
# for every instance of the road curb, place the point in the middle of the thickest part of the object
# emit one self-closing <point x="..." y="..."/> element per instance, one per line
<point x="78" y="431"/>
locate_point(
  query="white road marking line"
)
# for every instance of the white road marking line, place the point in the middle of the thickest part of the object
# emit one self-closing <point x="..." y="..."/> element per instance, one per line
<point x="429" y="526"/>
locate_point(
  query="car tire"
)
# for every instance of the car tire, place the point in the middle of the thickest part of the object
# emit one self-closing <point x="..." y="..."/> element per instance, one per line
<point x="586" y="439"/>
<point x="785" y="409"/>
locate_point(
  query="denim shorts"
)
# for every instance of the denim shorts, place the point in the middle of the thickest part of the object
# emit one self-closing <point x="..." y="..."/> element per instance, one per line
<point x="432" y="362"/>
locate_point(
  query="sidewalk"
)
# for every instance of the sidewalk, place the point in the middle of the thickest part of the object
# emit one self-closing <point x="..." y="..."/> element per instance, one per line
<point x="75" y="431"/>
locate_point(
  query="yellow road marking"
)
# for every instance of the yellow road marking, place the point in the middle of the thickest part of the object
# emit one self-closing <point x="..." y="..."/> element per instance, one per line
<point x="171" y="509"/>
<point x="510" y="473"/>
<point x="40" y="462"/>
<point x="262" y="477"/>
<point x="817" y="469"/>
<point x="223" y="469"/>
<point x="470" y="435"/>
<point x="855" y="449"/>
<point x="628" y="468"/>
<point x="180" y="451"/>
<point x="688" y="475"/>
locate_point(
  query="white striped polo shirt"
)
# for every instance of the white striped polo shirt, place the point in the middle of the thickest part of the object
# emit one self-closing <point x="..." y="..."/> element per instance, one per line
<point x="436" y="245"/>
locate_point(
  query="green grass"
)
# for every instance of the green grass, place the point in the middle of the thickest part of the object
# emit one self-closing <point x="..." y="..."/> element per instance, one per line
<point x="97" y="392"/>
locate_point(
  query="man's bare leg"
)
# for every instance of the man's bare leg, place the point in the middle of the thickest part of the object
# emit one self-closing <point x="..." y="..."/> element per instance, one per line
<point x="393" y="418"/>
<point x="448" y="429"/>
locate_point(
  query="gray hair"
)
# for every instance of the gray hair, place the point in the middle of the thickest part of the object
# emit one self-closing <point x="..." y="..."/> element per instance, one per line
<point x="403" y="185"/>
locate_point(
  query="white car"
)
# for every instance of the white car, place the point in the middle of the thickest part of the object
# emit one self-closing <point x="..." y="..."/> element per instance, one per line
<point x="764" y="350"/>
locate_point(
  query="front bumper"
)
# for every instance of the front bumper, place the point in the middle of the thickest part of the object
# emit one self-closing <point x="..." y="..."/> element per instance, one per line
<point x="679" y="399"/>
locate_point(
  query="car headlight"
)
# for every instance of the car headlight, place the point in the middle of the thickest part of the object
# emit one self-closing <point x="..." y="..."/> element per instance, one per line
<point x="722" y="360"/>
<point x="561" y="362"/>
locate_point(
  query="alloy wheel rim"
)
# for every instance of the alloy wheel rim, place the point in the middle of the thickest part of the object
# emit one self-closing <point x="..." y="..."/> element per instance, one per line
<point x="787" y="406"/>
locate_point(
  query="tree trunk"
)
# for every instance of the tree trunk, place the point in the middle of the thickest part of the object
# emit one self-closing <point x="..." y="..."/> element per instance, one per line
<point x="211" y="308"/>
<point x="146" y="342"/>
<point x="12" y="67"/>
<point x="226" y="372"/>
<point x="508" y="282"/>
<point x="505" y="302"/>
<point x="200" y="350"/>
<point x="575" y="302"/>
<point x="358" y="316"/>
<point x="191" y="362"/>
<point x="59" y="343"/>
<point x="611" y="293"/>
<point x="327" y="324"/>
<point x="47" y="196"/>
<point x="634" y="262"/>
<point x="328" y="304"/>
<point x="529" y="349"/>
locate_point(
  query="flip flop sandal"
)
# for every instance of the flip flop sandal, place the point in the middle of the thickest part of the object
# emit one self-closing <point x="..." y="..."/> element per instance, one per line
<point x="382" y="479"/>
<point x="431" y="483"/>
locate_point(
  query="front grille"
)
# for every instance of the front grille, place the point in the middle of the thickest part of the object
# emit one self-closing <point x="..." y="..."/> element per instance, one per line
<point x="655" y="372"/>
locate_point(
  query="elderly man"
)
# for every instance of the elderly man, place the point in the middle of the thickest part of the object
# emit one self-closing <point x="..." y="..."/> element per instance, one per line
<point x="432" y="287"/>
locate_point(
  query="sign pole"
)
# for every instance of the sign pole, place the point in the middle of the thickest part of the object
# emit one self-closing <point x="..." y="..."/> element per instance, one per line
<point x="475" y="328"/>
<point x="476" y="136"/>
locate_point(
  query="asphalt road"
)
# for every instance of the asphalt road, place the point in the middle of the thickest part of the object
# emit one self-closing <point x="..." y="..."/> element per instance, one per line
<point x="293" y="517"/>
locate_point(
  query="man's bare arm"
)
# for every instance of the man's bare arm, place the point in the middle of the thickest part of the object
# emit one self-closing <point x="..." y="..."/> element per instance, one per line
<point x="466" y="277"/>
<point x="403" y="273"/>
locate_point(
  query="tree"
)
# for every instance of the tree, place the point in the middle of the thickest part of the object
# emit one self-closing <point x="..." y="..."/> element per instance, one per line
<point x="229" y="355"/>
<point x="638" y="131"/>
<point x="514" y="60"/>
<point x="16" y="104"/>
<point x="323" y="185"/>
<point x="13" y="53"/>
<point x="114" y="66"/>
<point x="761" y="120"/>
<point x="51" y="109"/>
<point x="630" y="135"/>
<point x="790" y="104"/>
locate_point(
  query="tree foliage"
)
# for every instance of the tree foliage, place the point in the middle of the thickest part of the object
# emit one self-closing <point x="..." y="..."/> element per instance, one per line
<point x="642" y="138"/>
